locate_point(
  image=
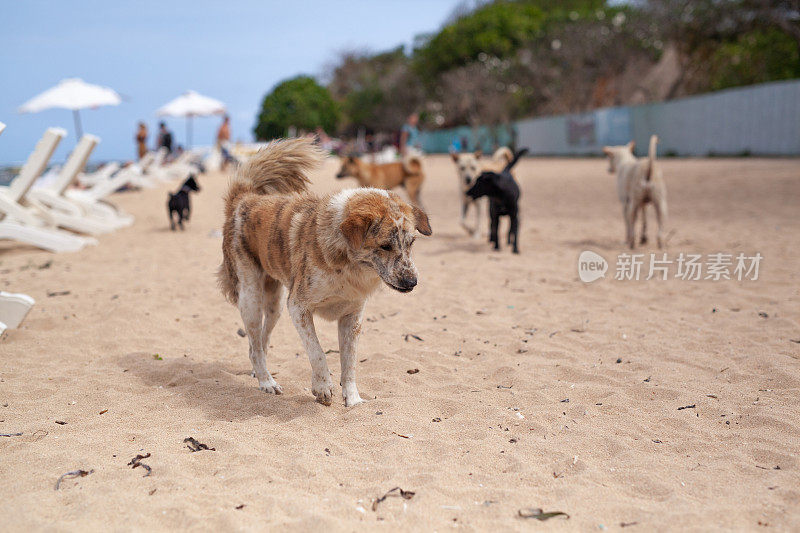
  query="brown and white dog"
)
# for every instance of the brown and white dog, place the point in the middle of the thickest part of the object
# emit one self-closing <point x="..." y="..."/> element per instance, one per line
<point x="469" y="167"/>
<point x="330" y="252"/>
<point x="639" y="182"/>
<point x="386" y="175"/>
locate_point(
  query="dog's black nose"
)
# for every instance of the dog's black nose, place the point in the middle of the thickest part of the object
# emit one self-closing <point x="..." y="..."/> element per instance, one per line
<point x="408" y="283"/>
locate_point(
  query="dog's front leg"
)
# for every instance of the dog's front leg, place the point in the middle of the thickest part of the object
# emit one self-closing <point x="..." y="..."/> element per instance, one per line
<point x="321" y="384"/>
<point x="465" y="203"/>
<point x="349" y="330"/>
<point x="513" y="231"/>
<point x="493" y="231"/>
<point x="476" y="206"/>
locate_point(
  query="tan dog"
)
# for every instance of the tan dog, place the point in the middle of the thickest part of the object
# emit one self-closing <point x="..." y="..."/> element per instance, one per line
<point x="469" y="167"/>
<point x="639" y="182"/>
<point x="386" y="175"/>
<point x="330" y="252"/>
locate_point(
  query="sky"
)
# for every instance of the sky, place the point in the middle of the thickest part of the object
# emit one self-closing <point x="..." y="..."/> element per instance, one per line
<point x="152" y="51"/>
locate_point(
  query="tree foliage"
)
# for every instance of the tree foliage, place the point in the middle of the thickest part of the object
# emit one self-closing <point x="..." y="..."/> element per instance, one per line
<point x="300" y="102"/>
<point x="376" y="91"/>
<point x="494" y="61"/>
<point x="496" y="29"/>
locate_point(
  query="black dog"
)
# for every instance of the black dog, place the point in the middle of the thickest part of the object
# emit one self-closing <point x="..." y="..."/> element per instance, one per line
<point x="179" y="202"/>
<point x="503" y="193"/>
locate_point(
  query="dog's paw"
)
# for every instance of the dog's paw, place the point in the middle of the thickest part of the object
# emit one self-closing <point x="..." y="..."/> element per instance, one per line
<point x="269" y="385"/>
<point x="352" y="402"/>
<point x="351" y="396"/>
<point x="271" y="388"/>
<point x="323" y="391"/>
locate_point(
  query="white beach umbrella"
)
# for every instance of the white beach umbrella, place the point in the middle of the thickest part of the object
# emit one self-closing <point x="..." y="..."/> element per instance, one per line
<point x="191" y="104"/>
<point x="74" y="94"/>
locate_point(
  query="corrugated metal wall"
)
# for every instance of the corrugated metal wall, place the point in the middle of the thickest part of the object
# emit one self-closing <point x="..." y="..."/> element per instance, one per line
<point x="758" y="120"/>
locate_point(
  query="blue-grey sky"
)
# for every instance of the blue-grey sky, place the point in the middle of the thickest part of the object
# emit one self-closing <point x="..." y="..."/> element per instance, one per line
<point x="152" y="51"/>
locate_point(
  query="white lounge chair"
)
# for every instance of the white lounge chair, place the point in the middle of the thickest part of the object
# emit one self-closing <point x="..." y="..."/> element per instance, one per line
<point x="98" y="176"/>
<point x="184" y="165"/>
<point x="65" y="211"/>
<point x="13" y="309"/>
<point x="133" y="175"/>
<point x="27" y="224"/>
<point x="157" y="168"/>
<point x="93" y="200"/>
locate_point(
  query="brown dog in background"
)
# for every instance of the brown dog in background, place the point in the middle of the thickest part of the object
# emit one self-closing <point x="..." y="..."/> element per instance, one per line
<point x="330" y="252"/>
<point x="386" y="175"/>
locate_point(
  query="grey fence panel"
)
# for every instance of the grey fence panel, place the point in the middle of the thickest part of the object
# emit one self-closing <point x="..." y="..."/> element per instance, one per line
<point x="577" y="134"/>
<point x="759" y="120"/>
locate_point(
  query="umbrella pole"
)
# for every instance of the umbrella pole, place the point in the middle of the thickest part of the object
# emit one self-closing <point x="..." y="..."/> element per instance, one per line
<point x="189" y="132"/>
<point x="78" y="129"/>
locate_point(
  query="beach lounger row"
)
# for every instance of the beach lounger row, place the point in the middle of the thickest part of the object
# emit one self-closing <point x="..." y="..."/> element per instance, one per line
<point x="38" y="214"/>
<point x="51" y="215"/>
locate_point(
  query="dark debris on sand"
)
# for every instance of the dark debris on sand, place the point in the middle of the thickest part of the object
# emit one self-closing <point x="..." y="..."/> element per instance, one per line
<point x="196" y="446"/>
<point x="71" y="475"/>
<point x="405" y="494"/>
<point x="137" y="461"/>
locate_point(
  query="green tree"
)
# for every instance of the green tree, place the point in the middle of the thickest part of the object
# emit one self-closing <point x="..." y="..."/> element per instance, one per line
<point x="376" y="91"/>
<point x="754" y="57"/>
<point x="299" y="102"/>
<point x="496" y="29"/>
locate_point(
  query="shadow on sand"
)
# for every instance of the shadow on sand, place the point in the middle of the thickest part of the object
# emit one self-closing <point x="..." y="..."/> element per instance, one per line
<point x="221" y="391"/>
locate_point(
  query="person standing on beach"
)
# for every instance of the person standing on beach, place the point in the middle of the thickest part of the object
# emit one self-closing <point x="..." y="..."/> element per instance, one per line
<point x="410" y="139"/>
<point x="224" y="141"/>
<point x="141" y="140"/>
<point x="164" y="138"/>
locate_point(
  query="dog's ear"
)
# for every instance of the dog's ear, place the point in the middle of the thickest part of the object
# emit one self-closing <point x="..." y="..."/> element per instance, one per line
<point x="478" y="153"/>
<point x="354" y="228"/>
<point x="607" y="150"/>
<point x="454" y="156"/>
<point x="631" y="146"/>
<point x="421" y="221"/>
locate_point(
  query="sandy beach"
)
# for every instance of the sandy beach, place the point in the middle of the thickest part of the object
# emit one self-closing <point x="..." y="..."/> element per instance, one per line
<point x="643" y="405"/>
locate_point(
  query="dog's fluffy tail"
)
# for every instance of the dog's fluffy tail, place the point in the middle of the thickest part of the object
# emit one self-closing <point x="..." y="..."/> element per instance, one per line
<point x="279" y="168"/>
<point x="651" y="156"/>
<point x="513" y="161"/>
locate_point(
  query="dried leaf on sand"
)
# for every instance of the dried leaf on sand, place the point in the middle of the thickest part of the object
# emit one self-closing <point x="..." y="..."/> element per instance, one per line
<point x="71" y="475"/>
<point x="196" y="446"/>
<point x="405" y="494"/>
<point x="540" y="515"/>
